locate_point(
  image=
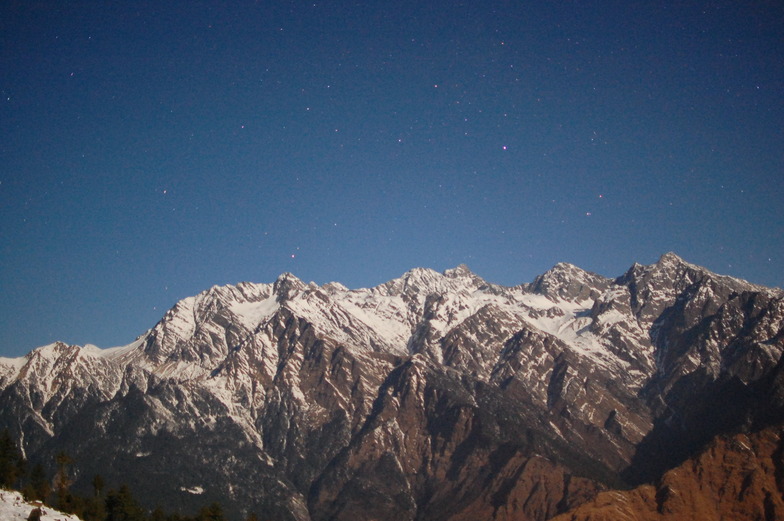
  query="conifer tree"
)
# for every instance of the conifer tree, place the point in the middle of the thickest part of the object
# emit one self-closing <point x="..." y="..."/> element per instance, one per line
<point x="121" y="506"/>
<point x="9" y="460"/>
<point x="213" y="512"/>
<point x="98" y="484"/>
<point x="38" y="487"/>
<point x="93" y="509"/>
<point x="21" y="471"/>
<point x="63" y="482"/>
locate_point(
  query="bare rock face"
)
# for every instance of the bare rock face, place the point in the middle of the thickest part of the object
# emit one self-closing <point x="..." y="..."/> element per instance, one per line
<point x="736" y="478"/>
<point x="434" y="396"/>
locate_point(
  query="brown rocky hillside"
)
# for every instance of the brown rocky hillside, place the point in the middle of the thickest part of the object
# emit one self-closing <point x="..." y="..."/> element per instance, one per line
<point x="737" y="478"/>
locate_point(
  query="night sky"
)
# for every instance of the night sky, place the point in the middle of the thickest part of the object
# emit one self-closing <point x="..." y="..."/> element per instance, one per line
<point x="150" y="150"/>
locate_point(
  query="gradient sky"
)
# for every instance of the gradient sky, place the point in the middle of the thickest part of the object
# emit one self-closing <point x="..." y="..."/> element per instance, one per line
<point x="150" y="150"/>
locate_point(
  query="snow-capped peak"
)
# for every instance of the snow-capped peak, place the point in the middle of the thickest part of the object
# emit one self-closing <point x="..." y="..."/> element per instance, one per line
<point x="460" y="270"/>
<point x="568" y="282"/>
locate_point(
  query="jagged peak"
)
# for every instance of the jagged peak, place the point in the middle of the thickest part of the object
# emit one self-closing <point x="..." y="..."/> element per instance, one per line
<point x="658" y="285"/>
<point x="669" y="263"/>
<point x="188" y="311"/>
<point x="674" y="267"/>
<point x="54" y="349"/>
<point x="672" y="262"/>
<point x="425" y="281"/>
<point x="569" y="282"/>
<point x="334" y="287"/>
<point x="421" y="273"/>
<point x="420" y="279"/>
<point x="566" y="269"/>
<point x="461" y="270"/>
<point x="565" y="266"/>
<point x="464" y="273"/>
<point x="55" y="358"/>
<point x="287" y="275"/>
<point x="414" y="275"/>
<point x="670" y="258"/>
<point x="286" y="285"/>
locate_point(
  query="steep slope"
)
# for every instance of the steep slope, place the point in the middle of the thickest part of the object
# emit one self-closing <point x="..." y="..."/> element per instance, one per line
<point x="736" y="478"/>
<point x="432" y="396"/>
<point x="715" y="339"/>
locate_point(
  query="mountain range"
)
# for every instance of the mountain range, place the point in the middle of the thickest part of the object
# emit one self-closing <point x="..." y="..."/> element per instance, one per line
<point x="436" y="396"/>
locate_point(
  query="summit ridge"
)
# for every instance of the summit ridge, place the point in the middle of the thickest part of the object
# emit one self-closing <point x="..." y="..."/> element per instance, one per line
<point x="434" y="395"/>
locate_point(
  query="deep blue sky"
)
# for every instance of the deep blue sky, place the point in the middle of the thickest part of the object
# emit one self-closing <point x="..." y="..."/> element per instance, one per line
<point x="150" y="150"/>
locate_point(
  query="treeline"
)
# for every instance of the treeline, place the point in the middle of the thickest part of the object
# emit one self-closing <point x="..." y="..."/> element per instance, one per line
<point x="112" y="505"/>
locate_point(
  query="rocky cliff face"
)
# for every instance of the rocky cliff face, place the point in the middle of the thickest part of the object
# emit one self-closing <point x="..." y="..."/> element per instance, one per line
<point x="433" y="396"/>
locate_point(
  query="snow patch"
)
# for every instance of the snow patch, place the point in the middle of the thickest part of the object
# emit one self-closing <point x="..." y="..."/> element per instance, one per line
<point x="13" y="363"/>
<point x="251" y="314"/>
<point x="13" y="507"/>
<point x="114" y="352"/>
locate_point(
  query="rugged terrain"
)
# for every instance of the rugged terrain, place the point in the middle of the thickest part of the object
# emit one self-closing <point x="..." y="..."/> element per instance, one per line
<point x="433" y="396"/>
<point x="736" y="477"/>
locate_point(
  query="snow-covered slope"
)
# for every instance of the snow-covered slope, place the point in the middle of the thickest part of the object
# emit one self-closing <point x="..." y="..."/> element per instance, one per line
<point x="295" y="388"/>
<point x="13" y="507"/>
